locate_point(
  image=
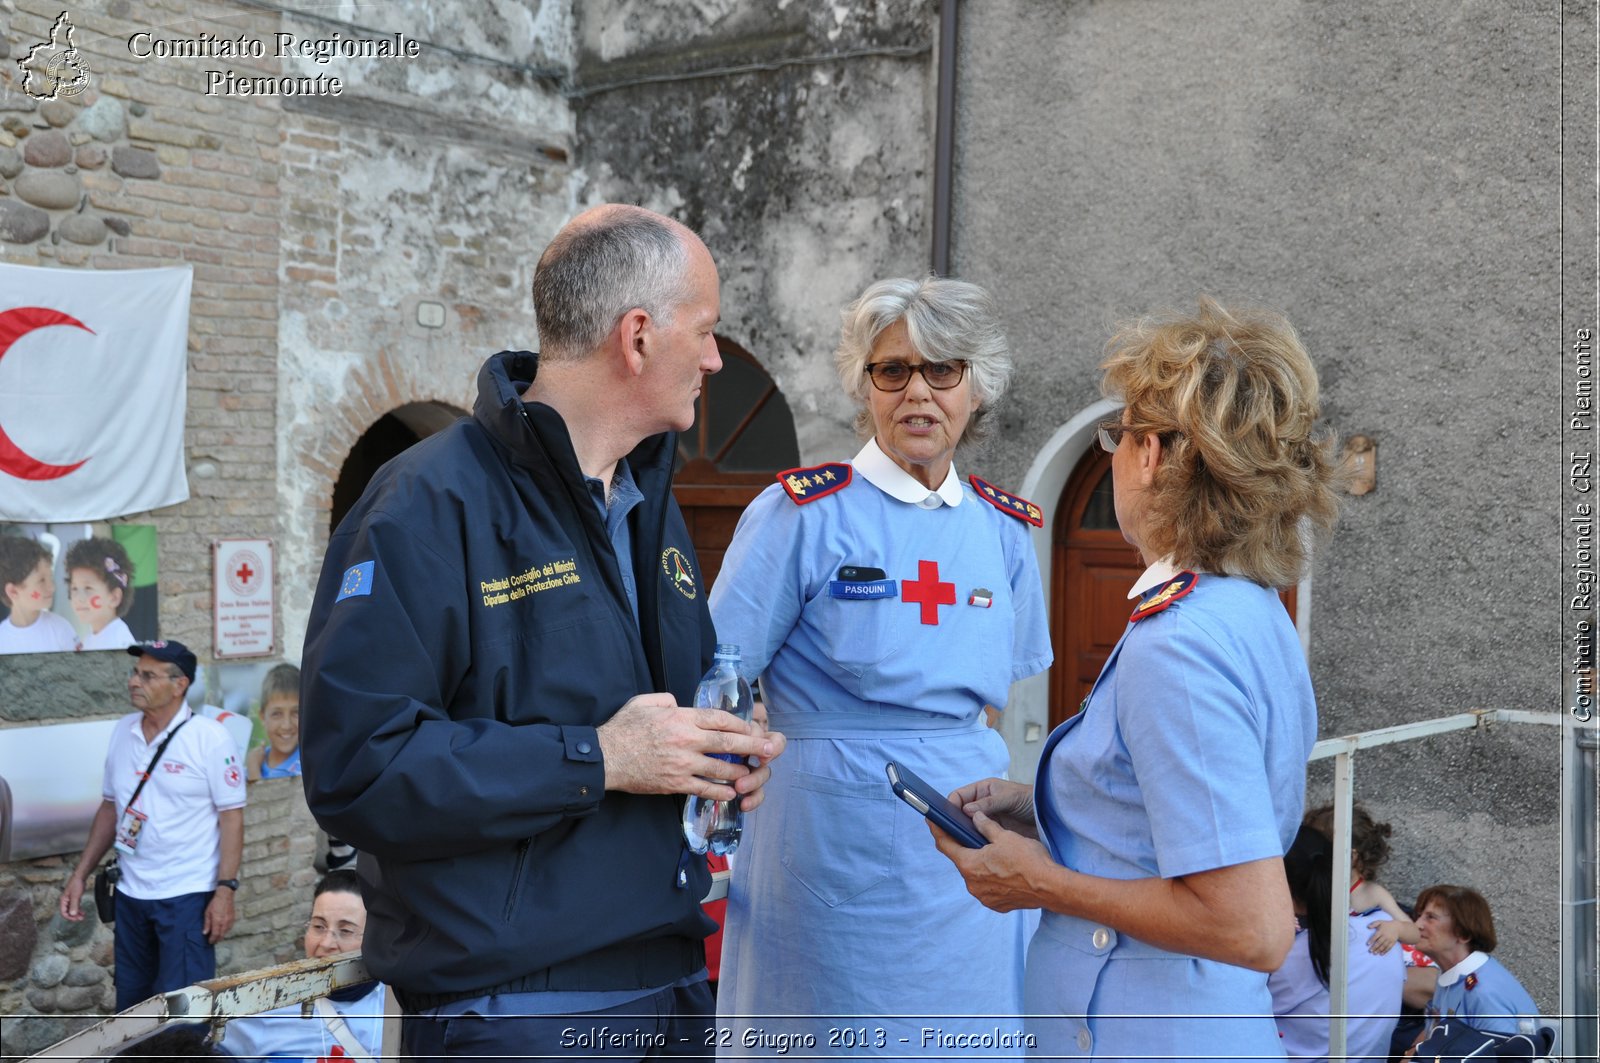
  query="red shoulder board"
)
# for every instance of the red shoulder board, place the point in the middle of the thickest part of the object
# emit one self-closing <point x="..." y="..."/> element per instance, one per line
<point x="811" y="483"/>
<point x="1006" y="502"/>
<point x="1176" y="588"/>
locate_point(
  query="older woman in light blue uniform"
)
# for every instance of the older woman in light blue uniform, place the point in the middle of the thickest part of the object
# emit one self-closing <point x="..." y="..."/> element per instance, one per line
<point x="1154" y="834"/>
<point x="884" y="603"/>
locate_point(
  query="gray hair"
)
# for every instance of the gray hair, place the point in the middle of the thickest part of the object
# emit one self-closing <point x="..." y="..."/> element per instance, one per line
<point x="945" y="320"/>
<point x="600" y="267"/>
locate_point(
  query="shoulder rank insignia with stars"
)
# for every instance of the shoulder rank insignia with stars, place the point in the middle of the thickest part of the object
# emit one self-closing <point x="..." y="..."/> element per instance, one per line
<point x="815" y="481"/>
<point x="1006" y="502"/>
<point x="1176" y="588"/>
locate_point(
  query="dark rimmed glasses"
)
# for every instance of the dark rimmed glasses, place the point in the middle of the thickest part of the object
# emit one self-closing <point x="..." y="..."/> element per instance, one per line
<point x="894" y="376"/>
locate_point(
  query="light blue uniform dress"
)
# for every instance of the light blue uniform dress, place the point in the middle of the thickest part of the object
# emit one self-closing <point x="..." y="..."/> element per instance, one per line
<point x="1374" y="982"/>
<point x="1483" y="994"/>
<point x="840" y="905"/>
<point x="1189" y="755"/>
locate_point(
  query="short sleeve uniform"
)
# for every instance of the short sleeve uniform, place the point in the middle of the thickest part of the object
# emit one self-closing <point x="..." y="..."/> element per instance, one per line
<point x="284" y="1033"/>
<point x="1188" y="755"/>
<point x="1300" y="1001"/>
<point x="840" y="904"/>
<point x="199" y="775"/>
<point x="1483" y="994"/>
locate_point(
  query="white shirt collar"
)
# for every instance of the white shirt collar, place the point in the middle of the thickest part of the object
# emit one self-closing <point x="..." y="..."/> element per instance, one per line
<point x="881" y="472"/>
<point x="183" y="713"/>
<point x="1473" y="961"/>
<point x="1153" y="577"/>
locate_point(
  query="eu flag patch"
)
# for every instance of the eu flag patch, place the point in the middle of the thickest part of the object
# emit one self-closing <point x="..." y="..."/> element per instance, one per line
<point x="357" y="581"/>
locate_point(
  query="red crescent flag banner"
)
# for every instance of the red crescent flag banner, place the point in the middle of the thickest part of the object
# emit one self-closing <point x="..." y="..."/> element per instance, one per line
<point x="93" y="365"/>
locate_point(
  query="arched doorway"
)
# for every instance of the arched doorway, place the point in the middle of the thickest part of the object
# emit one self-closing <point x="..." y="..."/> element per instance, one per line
<point x="743" y="435"/>
<point x="388" y="436"/>
<point x="1092" y="568"/>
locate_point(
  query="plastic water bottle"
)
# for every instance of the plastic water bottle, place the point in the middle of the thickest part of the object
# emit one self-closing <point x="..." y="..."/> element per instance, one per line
<point x="708" y="824"/>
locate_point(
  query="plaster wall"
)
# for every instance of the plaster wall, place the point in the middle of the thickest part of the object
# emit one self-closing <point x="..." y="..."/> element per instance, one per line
<point x="1387" y="175"/>
<point x="794" y="137"/>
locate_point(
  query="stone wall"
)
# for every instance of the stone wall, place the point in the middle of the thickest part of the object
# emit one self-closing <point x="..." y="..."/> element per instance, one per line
<point x="56" y="976"/>
<point x="797" y="141"/>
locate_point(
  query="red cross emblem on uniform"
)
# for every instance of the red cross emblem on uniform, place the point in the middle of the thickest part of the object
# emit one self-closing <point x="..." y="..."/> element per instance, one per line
<point x="927" y="591"/>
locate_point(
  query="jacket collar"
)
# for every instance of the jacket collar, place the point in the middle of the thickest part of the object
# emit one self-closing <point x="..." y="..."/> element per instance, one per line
<point x="535" y="434"/>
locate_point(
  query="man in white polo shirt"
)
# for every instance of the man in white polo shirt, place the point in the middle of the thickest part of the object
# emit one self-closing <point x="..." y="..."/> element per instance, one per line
<point x="178" y="841"/>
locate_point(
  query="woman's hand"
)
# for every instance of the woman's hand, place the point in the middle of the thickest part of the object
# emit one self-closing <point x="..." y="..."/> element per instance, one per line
<point x="1009" y="873"/>
<point x="1010" y="804"/>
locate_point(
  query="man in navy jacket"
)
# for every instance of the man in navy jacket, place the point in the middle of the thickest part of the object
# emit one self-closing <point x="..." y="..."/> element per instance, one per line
<point x="496" y="672"/>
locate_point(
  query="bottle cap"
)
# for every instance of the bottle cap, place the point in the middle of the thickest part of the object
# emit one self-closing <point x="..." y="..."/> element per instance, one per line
<point x="727" y="649"/>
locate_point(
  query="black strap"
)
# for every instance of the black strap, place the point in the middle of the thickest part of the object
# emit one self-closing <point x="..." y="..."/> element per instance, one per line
<point x="162" y="748"/>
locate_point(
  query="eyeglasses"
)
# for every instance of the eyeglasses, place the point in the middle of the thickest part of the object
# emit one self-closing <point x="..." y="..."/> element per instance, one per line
<point x="146" y="678"/>
<point x="1109" y="433"/>
<point x="344" y="935"/>
<point x="894" y="376"/>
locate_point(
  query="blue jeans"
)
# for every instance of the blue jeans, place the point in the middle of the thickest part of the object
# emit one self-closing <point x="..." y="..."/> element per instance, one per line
<point x="161" y="946"/>
<point x="671" y="1023"/>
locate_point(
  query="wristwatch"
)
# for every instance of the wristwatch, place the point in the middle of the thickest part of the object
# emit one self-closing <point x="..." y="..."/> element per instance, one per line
<point x="231" y="883"/>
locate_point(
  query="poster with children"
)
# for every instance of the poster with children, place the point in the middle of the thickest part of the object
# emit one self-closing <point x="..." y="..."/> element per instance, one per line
<point x="269" y="694"/>
<point x="67" y="587"/>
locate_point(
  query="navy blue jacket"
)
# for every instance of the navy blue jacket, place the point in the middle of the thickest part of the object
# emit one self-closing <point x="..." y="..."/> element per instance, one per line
<point x="451" y="692"/>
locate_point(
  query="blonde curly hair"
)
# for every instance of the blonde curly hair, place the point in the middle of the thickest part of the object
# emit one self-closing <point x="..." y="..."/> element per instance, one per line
<point x="1244" y="472"/>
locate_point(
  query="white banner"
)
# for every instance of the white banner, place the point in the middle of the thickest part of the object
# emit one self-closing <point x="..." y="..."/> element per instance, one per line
<point x="93" y="365"/>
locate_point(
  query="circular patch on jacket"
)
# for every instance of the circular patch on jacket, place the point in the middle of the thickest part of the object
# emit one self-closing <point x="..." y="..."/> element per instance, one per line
<point x="675" y="566"/>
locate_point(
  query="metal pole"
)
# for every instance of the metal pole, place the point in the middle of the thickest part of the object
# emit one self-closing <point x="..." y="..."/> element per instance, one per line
<point x="1344" y="796"/>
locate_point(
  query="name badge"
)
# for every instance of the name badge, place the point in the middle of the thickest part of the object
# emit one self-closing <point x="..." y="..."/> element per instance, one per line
<point x="863" y="590"/>
<point x="128" y="829"/>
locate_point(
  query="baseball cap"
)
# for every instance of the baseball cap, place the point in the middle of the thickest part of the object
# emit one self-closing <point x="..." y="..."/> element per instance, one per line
<point x="168" y="650"/>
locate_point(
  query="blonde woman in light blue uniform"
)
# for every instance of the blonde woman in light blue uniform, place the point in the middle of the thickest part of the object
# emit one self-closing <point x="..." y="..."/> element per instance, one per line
<point x="884" y="602"/>
<point x="1154" y="834"/>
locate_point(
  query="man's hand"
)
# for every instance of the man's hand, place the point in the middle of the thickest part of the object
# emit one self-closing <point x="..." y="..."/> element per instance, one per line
<point x="71" y="898"/>
<point x="655" y="746"/>
<point x="219" y="915"/>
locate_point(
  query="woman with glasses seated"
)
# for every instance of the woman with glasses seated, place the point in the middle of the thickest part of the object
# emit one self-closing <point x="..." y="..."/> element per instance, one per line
<point x="885" y="603"/>
<point x="1153" y="837"/>
<point x="347" y="1023"/>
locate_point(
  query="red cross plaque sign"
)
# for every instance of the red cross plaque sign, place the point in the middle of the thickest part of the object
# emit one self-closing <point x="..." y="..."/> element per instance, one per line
<point x="243" y="605"/>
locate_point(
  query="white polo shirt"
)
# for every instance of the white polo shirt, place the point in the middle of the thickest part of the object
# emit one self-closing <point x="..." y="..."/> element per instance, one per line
<point x="200" y="775"/>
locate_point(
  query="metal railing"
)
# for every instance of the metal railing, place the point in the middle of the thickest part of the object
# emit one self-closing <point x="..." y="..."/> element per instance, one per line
<point x="1342" y="751"/>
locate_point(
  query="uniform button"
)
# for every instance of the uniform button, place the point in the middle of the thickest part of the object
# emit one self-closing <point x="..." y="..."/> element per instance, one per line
<point x="583" y="791"/>
<point x="1102" y="938"/>
<point x="584" y="747"/>
<point x="1085" y="1042"/>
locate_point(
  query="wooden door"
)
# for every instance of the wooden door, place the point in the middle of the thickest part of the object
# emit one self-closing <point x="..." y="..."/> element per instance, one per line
<point x="1092" y="569"/>
<point x="743" y="436"/>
